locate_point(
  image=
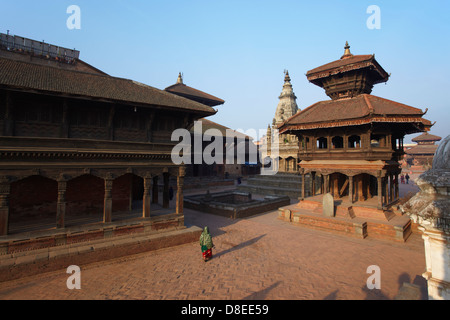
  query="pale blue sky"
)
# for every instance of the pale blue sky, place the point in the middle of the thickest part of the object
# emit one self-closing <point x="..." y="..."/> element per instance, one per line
<point x="237" y="50"/>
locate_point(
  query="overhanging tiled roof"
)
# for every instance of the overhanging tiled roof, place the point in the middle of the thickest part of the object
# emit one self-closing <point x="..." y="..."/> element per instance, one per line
<point x="208" y="124"/>
<point x="422" y="150"/>
<point x="359" y="110"/>
<point x="342" y="62"/>
<point x="347" y="64"/>
<point x="191" y="93"/>
<point x="46" y="79"/>
<point x="426" y="137"/>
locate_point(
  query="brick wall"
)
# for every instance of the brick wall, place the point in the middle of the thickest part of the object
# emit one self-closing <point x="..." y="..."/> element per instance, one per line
<point x="34" y="197"/>
<point x="85" y="194"/>
<point x="121" y="193"/>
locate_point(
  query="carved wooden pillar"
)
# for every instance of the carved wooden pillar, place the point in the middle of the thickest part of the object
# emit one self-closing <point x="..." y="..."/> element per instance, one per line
<point x="380" y="192"/>
<point x="146" y="201"/>
<point x="107" y="207"/>
<point x="322" y="184"/>
<point x="166" y="190"/>
<point x="61" y="204"/>
<point x="313" y="184"/>
<point x="155" y="190"/>
<point x="360" y="187"/>
<point x="386" y="190"/>
<point x="367" y="184"/>
<point x="326" y="179"/>
<point x="180" y="183"/>
<point x="5" y="190"/>
<point x="350" y="189"/>
<point x="303" y="185"/>
<point x="391" y="188"/>
<point x="335" y="185"/>
<point x="397" y="193"/>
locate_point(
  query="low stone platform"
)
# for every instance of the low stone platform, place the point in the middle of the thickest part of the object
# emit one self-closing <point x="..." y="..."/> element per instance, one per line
<point x="354" y="220"/>
<point x="234" y="204"/>
<point x="283" y="184"/>
<point x="34" y="253"/>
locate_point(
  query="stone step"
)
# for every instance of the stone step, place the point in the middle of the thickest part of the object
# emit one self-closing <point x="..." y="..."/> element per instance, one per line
<point x="281" y="177"/>
<point x="268" y="190"/>
<point x="278" y="181"/>
<point x="276" y="184"/>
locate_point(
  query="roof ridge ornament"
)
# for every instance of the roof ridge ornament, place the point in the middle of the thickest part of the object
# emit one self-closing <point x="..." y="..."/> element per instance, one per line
<point x="347" y="53"/>
<point x="180" y="78"/>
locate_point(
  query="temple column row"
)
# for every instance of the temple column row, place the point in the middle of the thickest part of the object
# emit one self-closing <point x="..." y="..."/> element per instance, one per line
<point x="388" y="188"/>
<point x="150" y="195"/>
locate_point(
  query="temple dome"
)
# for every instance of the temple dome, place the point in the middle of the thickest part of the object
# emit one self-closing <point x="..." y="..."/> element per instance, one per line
<point x="441" y="159"/>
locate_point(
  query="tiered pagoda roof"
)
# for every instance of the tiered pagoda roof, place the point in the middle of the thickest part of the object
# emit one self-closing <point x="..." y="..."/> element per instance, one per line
<point x="349" y="76"/>
<point x="425" y="145"/>
<point x="349" y="82"/>
<point x="363" y="109"/>
<point x="427" y="138"/>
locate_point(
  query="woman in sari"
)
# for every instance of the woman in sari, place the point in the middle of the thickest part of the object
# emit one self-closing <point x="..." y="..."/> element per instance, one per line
<point x="206" y="244"/>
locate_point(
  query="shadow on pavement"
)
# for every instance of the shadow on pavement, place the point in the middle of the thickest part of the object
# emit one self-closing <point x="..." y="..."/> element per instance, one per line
<point x="262" y="294"/>
<point x="240" y="246"/>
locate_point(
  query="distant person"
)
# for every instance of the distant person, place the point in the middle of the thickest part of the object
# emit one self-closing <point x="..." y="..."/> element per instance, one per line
<point x="402" y="179"/>
<point x="407" y="178"/>
<point x="206" y="244"/>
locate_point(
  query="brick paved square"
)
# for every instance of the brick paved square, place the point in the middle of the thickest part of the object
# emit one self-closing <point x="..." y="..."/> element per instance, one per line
<point x="255" y="259"/>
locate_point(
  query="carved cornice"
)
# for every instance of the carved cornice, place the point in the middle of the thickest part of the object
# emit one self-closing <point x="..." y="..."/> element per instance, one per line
<point x="64" y="156"/>
<point x="346" y="172"/>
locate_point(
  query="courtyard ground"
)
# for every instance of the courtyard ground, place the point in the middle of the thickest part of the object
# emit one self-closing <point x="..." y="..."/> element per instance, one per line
<point x="254" y="259"/>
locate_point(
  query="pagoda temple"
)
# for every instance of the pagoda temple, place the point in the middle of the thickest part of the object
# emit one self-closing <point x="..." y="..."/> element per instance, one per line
<point x="351" y="145"/>
<point x="423" y="153"/>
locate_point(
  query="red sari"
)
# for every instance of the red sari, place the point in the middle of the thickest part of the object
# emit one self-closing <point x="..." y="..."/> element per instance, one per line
<point x="207" y="254"/>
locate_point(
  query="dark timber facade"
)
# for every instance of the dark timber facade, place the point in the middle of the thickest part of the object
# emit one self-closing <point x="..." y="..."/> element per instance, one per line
<point x="79" y="142"/>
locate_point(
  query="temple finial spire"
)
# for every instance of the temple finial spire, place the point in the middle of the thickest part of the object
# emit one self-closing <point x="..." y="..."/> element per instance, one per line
<point x="347" y="53"/>
<point x="287" y="78"/>
<point x="180" y="78"/>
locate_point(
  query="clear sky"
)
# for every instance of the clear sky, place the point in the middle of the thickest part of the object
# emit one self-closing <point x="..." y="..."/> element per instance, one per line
<point x="238" y="50"/>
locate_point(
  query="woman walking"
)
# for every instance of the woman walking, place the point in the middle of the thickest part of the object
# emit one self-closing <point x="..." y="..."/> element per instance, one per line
<point x="206" y="244"/>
